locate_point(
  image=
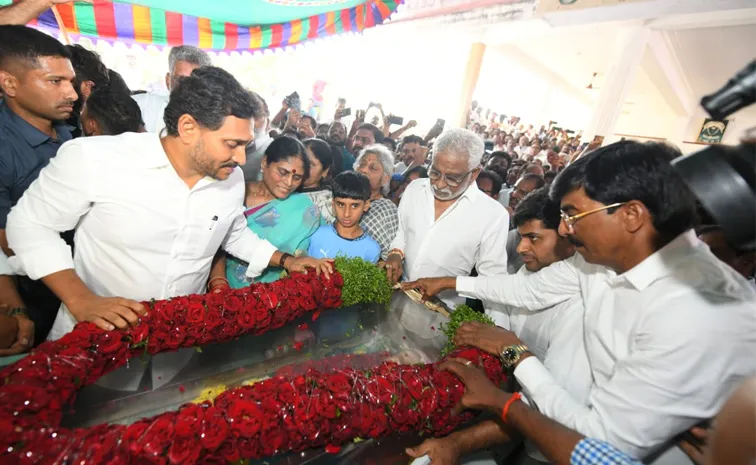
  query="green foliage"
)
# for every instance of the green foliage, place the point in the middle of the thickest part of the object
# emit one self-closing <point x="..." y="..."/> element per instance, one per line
<point x="364" y="282"/>
<point x="462" y="314"/>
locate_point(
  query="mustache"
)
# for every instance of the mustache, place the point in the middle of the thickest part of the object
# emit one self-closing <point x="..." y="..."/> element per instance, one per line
<point x="574" y="241"/>
<point x="230" y="165"/>
<point x="443" y="194"/>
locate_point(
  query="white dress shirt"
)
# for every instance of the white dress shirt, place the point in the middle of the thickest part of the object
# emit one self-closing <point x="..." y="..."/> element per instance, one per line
<point x="5" y="268"/>
<point x="153" y="106"/>
<point x="472" y="232"/>
<point x="668" y="341"/>
<point x="141" y="232"/>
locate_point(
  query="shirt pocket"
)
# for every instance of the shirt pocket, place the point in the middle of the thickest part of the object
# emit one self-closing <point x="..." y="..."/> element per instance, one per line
<point x="206" y="237"/>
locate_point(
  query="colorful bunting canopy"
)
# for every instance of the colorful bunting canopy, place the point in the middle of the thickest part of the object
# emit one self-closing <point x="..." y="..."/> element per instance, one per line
<point x="129" y="23"/>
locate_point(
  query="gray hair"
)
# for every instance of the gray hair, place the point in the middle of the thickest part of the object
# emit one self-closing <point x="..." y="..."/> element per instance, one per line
<point x="384" y="158"/>
<point x="188" y="54"/>
<point x="462" y="142"/>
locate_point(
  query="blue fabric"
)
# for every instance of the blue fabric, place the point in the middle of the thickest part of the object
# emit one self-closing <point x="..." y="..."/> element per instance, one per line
<point x="347" y="159"/>
<point x="326" y="243"/>
<point x="594" y="452"/>
<point x="288" y="224"/>
<point x="24" y="151"/>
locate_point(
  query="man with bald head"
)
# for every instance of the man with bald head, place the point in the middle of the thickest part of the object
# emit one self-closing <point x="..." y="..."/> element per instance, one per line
<point x="37" y="82"/>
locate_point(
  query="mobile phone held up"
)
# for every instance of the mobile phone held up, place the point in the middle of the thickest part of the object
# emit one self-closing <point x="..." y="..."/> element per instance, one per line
<point x="293" y="101"/>
<point x="395" y="120"/>
<point x="346" y="112"/>
<point x="440" y="123"/>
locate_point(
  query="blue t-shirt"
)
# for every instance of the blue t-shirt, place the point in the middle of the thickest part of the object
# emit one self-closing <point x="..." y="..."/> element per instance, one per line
<point x="326" y="243"/>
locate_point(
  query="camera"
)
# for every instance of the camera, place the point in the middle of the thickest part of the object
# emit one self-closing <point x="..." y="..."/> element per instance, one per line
<point x="724" y="178"/>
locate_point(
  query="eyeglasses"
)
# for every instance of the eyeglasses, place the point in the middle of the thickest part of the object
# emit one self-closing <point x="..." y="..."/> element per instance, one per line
<point x="452" y="181"/>
<point x="569" y="221"/>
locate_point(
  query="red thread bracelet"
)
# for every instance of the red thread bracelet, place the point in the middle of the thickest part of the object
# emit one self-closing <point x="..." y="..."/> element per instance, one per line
<point x="505" y="411"/>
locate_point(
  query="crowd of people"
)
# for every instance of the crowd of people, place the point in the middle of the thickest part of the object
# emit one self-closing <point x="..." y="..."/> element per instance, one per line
<point x="622" y="327"/>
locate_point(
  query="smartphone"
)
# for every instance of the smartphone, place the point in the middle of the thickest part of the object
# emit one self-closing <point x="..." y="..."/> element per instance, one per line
<point x="440" y="122"/>
<point x="395" y="119"/>
<point x="346" y="112"/>
<point x="570" y="131"/>
<point x="489" y="146"/>
<point x="556" y="128"/>
<point x="502" y="118"/>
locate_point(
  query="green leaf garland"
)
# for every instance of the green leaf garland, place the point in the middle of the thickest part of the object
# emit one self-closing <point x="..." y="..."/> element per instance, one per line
<point x="462" y="314"/>
<point x="364" y="282"/>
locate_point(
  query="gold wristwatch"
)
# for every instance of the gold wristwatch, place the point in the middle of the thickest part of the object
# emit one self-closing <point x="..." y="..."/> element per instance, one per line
<point x="511" y="355"/>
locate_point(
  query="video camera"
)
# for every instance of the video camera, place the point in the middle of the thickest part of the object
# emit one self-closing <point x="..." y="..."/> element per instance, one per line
<point x="723" y="178"/>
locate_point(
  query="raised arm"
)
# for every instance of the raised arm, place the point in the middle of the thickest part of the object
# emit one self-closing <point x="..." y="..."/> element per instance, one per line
<point x="24" y="11"/>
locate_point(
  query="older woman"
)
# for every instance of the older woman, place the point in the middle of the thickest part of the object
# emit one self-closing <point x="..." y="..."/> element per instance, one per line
<point x="274" y="211"/>
<point x="381" y="220"/>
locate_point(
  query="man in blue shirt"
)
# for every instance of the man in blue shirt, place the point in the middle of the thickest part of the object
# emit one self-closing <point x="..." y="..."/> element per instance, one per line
<point x="36" y="78"/>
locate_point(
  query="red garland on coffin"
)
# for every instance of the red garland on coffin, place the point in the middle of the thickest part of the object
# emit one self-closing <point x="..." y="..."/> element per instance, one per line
<point x="284" y="413"/>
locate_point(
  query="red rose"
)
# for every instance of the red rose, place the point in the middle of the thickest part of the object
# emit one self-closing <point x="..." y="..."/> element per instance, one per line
<point x="184" y="450"/>
<point x="248" y="418"/>
<point x="139" y="333"/>
<point x="233" y="304"/>
<point x="230" y="450"/>
<point x="159" y="435"/>
<point x="132" y="437"/>
<point x="338" y="384"/>
<point x="110" y="342"/>
<point x="214" y="429"/>
<point x="324" y="405"/>
<point x="249" y="448"/>
<point x="195" y="313"/>
<point x="247" y="320"/>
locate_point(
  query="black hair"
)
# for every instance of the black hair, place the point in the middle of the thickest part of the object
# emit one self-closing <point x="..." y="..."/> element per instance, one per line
<point x="115" y="112"/>
<point x="259" y="108"/>
<point x="549" y="176"/>
<point x="28" y="45"/>
<point x="291" y="132"/>
<point x="537" y="205"/>
<point x="116" y="83"/>
<point x="391" y="142"/>
<point x="313" y="123"/>
<point x="630" y="170"/>
<point x="503" y="155"/>
<point x="351" y="185"/>
<point x="337" y="163"/>
<point x="539" y="181"/>
<point x="209" y="95"/>
<point x="88" y="66"/>
<point x="322" y="152"/>
<point x="286" y="147"/>
<point x="377" y="133"/>
<point x="421" y="170"/>
<point x="413" y="140"/>
<point x="495" y="179"/>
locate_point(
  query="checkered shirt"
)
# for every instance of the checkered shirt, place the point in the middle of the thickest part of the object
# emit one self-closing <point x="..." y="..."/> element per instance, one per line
<point x="381" y="222"/>
<point x="594" y="452"/>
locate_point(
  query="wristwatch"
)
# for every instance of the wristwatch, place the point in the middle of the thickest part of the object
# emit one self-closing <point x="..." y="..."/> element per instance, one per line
<point x="511" y="355"/>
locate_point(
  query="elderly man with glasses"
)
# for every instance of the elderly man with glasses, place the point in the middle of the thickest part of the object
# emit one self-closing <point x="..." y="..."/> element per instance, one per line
<point x="669" y="329"/>
<point x="446" y="224"/>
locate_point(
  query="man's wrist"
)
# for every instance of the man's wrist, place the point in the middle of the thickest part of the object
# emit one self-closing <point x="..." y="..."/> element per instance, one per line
<point x="450" y="282"/>
<point x="523" y="356"/>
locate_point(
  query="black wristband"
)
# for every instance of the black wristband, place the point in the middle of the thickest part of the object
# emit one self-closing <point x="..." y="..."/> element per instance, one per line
<point x="284" y="256"/>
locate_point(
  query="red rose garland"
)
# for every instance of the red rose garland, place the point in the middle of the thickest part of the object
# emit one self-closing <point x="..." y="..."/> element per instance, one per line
<point x="284" y="413"/>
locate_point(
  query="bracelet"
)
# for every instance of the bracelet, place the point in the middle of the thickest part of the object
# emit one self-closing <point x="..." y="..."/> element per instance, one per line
<point x="505" y="411"/>
<point x="282" y="261"/>
<point x="18" y="311"/>
<point x="210" y="283"/>
<point x="396" y="252"/>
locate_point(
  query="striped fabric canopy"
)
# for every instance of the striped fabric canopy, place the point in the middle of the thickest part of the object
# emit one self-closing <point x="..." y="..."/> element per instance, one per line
<point x="130" y="23"/>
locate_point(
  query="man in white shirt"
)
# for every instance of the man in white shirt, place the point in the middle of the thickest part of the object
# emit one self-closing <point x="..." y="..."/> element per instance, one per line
<point x="446" y="224"/>
<point x="554" y="335"/>
<point x="669" y="329"/>
<point x="412" y="153"/>
<point x="182" y="60"/>
<point x="150" y="213"/>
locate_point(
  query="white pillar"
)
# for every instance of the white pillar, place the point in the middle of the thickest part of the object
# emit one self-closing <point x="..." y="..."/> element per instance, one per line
<point x="628" y="52"/>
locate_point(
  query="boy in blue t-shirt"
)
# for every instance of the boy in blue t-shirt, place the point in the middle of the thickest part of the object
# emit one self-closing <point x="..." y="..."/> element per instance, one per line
<point x="345" y="237"/>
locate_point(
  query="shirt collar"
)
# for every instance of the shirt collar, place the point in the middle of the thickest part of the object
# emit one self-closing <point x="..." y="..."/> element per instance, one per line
<point x="33" y="136"/>
<point x="155" y="156"/>
<point x="661" y="263"/>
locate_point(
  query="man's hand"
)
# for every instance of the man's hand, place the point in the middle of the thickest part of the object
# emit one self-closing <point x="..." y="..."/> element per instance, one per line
<point x="106" y="312"/>
<point x="431" y="286"/>
<point x="442" y="451"/>
<point x="8" y="330"/>
<point x="23" y="338"/>
<point x="393" y="268"/>
<point x="412" y="124"/>
<point x="302" y="264"/>
<point x="60" y="2"/>
<point x="491" y="339"/>
<point x="480" y="392"/>
<point x="696" y="449"/>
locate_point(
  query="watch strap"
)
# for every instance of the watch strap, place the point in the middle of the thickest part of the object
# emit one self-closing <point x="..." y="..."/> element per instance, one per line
<point x="18" y="311"/>
<point x="518" y="350"/>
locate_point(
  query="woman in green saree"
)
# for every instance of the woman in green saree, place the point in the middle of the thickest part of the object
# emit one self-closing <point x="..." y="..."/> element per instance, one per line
<point x="275" y="212"/>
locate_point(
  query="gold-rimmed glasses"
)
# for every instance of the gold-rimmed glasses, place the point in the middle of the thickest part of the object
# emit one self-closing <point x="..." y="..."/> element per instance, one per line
<point x="569" y="221"/>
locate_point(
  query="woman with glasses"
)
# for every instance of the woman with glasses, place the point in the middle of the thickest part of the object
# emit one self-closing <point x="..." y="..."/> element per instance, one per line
<point x="380" y="221"/>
